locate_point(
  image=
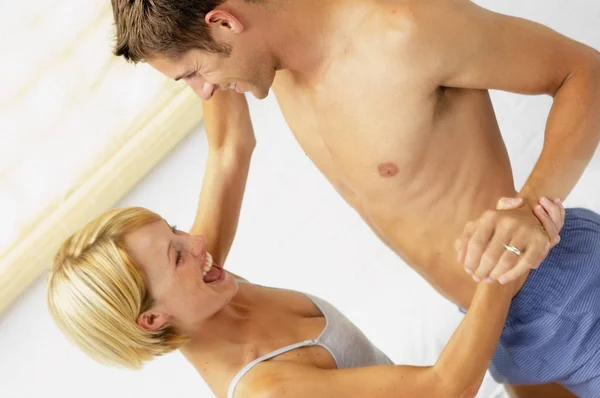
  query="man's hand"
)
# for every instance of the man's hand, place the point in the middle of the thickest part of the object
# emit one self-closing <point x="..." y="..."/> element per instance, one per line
<point x="505" y="243"/>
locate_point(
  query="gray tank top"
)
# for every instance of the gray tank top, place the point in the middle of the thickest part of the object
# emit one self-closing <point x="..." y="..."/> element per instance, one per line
<point x="348" y="346"/>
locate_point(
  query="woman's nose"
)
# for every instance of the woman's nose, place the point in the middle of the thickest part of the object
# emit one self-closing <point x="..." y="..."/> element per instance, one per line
<point x="198" y="246"/>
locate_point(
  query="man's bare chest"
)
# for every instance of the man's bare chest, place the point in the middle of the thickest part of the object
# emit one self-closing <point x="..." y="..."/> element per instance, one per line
<point x="359" y="133"/>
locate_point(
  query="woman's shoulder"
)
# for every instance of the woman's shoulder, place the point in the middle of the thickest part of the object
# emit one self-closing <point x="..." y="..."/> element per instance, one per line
<point x="267" y="379"/>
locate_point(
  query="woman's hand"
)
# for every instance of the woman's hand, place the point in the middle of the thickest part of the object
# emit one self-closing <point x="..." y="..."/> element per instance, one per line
<point x="505" y="243"/>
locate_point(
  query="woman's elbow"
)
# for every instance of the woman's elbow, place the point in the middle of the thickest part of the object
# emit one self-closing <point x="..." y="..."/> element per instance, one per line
<point x="452" y="386"/>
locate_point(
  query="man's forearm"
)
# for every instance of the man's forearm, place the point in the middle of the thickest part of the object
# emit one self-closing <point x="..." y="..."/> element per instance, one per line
<point x="572" y="135"/>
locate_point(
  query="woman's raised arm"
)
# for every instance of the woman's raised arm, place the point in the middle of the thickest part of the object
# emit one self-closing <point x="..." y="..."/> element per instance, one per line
<point x="231" y="142"/>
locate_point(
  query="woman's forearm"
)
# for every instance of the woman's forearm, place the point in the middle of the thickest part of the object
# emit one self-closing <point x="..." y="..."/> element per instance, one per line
<point x="457" y="373"/>
<point x="231" y="143"/>
<point x="227" y="122"/>
<point x="467" y="355"/>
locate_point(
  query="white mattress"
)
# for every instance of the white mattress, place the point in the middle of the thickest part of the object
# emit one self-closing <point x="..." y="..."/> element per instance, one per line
<point x="72" y="119"/>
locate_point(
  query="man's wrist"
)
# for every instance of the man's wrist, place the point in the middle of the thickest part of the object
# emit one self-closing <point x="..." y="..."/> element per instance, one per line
<point x="530" y="197"/>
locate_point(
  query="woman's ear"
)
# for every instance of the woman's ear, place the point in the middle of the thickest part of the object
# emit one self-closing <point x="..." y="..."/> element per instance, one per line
<point x="224" y="20"/>
<point x="152" y="320"/>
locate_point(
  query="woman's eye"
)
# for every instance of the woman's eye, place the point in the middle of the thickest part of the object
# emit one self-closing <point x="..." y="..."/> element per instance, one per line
<point x="178" y="257"/>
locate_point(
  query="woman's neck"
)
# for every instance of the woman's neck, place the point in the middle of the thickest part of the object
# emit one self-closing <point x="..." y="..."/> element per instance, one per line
<point x="229" y="330"/>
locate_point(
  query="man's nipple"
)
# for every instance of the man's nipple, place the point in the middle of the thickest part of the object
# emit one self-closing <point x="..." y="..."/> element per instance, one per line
<point x="387" y="169"/>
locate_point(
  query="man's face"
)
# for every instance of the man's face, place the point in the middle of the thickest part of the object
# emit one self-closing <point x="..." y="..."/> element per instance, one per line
<point x="242" y="71"/>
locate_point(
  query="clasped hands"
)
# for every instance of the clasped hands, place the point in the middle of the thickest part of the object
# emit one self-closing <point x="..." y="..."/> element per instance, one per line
<point x="505" y="243"/>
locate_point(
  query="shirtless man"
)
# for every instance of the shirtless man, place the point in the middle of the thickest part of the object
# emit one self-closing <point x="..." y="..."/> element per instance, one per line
<point x="389" y="99"/>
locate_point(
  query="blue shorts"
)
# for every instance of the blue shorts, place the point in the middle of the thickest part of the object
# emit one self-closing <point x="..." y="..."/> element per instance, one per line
<point x="552" y="332"/>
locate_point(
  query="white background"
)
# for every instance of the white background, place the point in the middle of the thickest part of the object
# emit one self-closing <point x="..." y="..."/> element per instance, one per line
<point x="295" y="232"/>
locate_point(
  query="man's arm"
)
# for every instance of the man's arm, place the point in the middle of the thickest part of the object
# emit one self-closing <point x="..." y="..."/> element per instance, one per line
<point x="458" y="372"/>
<point x="479" y="49"/>
<point x="231" y="142"/>
<point x="466" y="46"/>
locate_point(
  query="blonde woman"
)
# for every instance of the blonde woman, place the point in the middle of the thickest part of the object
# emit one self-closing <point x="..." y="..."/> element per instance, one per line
<point x="128" y="287"/>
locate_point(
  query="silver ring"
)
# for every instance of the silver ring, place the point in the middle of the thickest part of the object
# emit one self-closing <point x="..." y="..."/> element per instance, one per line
<point x="513" y="249"/>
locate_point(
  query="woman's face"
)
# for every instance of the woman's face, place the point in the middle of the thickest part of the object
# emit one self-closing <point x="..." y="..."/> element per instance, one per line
<point x="186" y="287"/>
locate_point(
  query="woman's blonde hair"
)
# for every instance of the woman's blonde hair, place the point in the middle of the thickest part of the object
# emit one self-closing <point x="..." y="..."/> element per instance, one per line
<point x="96" y="293"/>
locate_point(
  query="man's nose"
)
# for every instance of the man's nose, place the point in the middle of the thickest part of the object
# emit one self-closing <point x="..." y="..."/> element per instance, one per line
<point x="197" y="83"/>
<point x="204" y="89"/>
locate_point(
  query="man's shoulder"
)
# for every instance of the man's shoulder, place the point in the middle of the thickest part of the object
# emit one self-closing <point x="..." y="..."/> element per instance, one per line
<point x="414" y="15"/>
<point x="422" y="32"/>
<point x="404" y="22"/>
<point x="403" y="32"/>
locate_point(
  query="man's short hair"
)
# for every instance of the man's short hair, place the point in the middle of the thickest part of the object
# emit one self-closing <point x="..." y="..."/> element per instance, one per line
<point x="148" y="28"/>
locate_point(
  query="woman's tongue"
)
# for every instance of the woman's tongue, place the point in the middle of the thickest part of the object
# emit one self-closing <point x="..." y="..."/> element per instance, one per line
<point x="213" y="274"/>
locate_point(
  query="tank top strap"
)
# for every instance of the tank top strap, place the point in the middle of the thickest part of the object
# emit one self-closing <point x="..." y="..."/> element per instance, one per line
<point x="273" y="354"/>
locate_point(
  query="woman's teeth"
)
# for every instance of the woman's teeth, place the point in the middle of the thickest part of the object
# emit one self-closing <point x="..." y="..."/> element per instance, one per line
<point x="208" y="263"/>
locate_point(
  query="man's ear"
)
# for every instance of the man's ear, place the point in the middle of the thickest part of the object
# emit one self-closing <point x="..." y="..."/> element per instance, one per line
<point x="152" y="320"/>
<point x="224" y="20"/>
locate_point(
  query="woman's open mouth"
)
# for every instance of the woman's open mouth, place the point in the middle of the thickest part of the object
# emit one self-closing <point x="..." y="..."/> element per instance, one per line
<point x="211" y="273"/>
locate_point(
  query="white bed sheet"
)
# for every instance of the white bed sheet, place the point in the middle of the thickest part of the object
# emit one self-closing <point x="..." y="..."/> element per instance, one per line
<point x="68" y="107"/>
